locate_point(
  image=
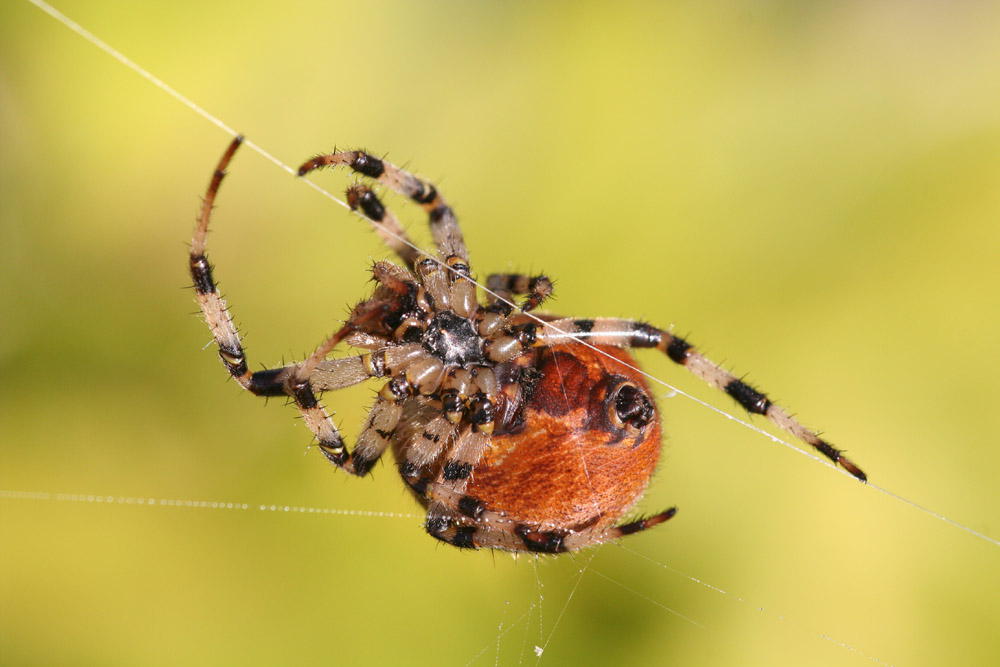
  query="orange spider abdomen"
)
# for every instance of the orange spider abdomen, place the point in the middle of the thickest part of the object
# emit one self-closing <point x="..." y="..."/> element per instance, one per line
<point x="570" y="462"/>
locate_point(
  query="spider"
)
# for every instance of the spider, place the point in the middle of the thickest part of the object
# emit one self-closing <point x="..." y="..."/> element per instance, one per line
<point x="516" y="431"/>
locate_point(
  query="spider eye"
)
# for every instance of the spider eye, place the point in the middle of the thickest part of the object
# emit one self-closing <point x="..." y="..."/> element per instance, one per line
<point x="630" y="407"/>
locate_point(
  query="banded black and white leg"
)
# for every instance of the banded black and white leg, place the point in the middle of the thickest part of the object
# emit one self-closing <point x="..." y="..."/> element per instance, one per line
<point x="360" y="197"/>
<point x="508" y="285"/>
<point x="443" y="223"/>
<point x="411" y="370"/>
<point x="458" y="436"/>
<point x="291" y="381"/>
<point x="628" y="333"/>
<point x="466" y="522"/>
<point x="300" y="381"/>
<point x="213" y="306"/>
<point x="457" y="292"/>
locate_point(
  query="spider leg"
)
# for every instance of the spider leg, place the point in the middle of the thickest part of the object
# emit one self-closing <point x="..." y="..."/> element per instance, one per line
<point x="384" y="416"/>
<point x="330" y="375"/>
<point x="464" y="521"/>
<point x="462" y="458"/>
<point x="443" y="222"/>
<point x="587" y="537"/>
<point x="559" y="541"/>
<point x="478" y="392"/>
<point x="361" y="197"/>
<point x="376" y="435"/>
<point x="300" y="381"/>
<point x="458" y="456"/>
<point x="507" y="285"/>
<point x="627" y="333"/>
<point x="436" y="280"/>
<point x="213" y="306"/>
<point x="443" y="524"/>
<point x="426" y="443"/>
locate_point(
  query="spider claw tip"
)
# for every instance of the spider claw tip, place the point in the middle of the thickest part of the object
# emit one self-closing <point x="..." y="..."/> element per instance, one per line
<point x="854" y="470"/>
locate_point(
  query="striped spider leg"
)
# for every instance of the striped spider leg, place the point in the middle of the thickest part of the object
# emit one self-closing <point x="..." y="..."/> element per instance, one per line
<point x="628" y="333"/>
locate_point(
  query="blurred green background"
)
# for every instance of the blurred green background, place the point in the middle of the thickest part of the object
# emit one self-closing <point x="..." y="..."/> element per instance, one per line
<point x="807" y="190"/>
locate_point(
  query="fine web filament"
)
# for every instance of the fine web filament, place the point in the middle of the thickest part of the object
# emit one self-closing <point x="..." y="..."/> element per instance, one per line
<point x="182" y="503"/>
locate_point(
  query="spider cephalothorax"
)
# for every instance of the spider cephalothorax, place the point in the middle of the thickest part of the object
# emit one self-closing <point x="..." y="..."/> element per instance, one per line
<point x="517" y="431"/>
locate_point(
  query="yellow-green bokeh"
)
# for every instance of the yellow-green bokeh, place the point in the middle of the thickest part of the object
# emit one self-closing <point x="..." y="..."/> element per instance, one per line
<point x="809" y="190"/>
